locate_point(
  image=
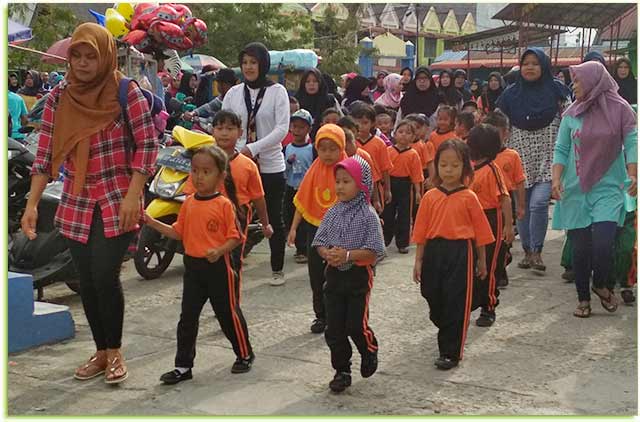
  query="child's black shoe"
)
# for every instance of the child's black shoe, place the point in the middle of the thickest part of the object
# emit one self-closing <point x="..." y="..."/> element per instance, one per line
<point x="486" y="319"/>
<point x="241" y="366"/>
<point x="369" y="365"/>
<point x="403" y="251"/>
<point x="445" y="363"/>
<point x="175" y="376"/>
<point x="318" y="326"/>
<point x="502" y="282"/>
<point x="340" y="382"/>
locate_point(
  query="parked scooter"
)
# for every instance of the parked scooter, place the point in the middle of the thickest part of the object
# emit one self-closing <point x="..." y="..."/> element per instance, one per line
<point x="20" y="161"/>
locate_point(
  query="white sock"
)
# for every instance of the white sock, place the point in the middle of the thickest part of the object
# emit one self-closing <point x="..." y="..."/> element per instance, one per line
<point x="182" y="370"/>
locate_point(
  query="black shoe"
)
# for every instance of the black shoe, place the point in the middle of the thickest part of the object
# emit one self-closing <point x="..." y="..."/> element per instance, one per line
<point x="486" y="319"/>
<point x="628" y="297"/>
<point x="318" y="326"/>
<point x="240" y="366"/>
<point x="403" y="251"/>
<point x="569" y="276"/>
<point x="340" y="382"/>
<point x="502" y="282"/>
<point x="445" y="363"/>
<point x="174" y="377"/>
<point x="369" y="365"/>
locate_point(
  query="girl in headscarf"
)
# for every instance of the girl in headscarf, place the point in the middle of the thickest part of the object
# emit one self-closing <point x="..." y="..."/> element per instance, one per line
<point x="358" y="90"/>
<point x="349" y="239"/>
<point x="534" y="104"/>
<point x="448" y="92"/>
<point x="476" y="89"/>
<point x="595" y="161"/>
<point x="460" y="82"/>
<point x="14" y="84"/>
<point x="421" y="96"/>
<point x="495" y="86"/>
<point x="392" y="93"/>
<point x="32" y="88"/>
<point x="263" y="106"/>
<point x="379" y="88"/>
<point x="626" y="80"/>
<point x="314" y="97"/>
<point x="101" y="205"/>
<point x="407" y="77"/>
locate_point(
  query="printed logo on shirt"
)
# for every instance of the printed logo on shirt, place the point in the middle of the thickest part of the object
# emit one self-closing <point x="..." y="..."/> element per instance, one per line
<point x="212" y="226"/>
<point x="507" y="167"/>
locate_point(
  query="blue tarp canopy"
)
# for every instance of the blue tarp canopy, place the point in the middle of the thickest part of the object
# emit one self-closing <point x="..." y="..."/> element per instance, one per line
<point x="18" y="32"/>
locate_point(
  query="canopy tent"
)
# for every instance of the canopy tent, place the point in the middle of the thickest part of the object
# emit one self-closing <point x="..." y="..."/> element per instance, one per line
<point x="198" y="61"/>
<point x="18" y="33"/>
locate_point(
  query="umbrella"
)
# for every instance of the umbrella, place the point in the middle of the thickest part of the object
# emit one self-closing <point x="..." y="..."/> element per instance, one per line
<point x="198" y="61"/>
<point x="59" y="48"/>
<point x="18" y="32"/>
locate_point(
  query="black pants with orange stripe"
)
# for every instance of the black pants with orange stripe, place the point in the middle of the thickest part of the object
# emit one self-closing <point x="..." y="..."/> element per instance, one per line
<point x="486" y="291"/>
<point x="447" y="285"/>
<point x="214" y="282"/>
<point x="237" y="255"/>
<point x="346" y="298"/>
<point x="397" y="213"/>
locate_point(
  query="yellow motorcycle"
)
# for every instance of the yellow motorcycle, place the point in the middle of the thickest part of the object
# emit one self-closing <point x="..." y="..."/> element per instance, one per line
<point x="155" y="252"/>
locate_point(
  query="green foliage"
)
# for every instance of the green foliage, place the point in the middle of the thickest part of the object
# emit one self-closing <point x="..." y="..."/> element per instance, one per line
<point x="51" y="22"/>
<point x="231" y="26"/>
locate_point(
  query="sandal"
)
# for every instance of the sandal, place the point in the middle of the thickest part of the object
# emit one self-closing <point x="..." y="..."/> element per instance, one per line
<point x="609" y="302"/>
<point x="91" y="369"/>
<point x="115" y="365"/>
<point x="582" y="311"/>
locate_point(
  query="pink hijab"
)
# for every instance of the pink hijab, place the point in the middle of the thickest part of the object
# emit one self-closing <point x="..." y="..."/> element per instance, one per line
<point x="392" y="94"/>
<point x="607" y="120"/>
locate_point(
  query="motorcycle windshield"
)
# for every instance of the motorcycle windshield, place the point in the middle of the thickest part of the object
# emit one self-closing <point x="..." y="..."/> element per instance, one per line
<point x="190" y="139"/>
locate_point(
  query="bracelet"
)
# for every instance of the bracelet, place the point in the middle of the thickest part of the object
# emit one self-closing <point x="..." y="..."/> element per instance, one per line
<point x="347" y="258"/>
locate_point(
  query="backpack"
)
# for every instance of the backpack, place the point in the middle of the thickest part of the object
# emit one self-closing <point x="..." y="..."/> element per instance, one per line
<point x="156" y="107"/>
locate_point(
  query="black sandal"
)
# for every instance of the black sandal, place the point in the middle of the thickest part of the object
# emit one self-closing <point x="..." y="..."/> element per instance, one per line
<point x="609" y="303"/>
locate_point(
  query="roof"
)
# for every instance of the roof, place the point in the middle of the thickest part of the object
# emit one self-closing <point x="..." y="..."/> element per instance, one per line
<point x="628" y="27"/>
<point x="449" y="55"/>
<point x="580" y="15"/>
<point x="502" y="37"/>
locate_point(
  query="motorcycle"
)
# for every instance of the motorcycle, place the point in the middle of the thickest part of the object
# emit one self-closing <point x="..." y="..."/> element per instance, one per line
<point x="20" y="160"/>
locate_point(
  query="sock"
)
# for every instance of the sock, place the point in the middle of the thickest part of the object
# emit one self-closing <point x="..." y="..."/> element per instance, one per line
<point x="182" y="370"/>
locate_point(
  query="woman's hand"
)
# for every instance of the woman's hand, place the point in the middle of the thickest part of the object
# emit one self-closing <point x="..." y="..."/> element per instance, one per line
<point x="633" y="188"/>
<point x="129" y="213"/>
<point x="557" y="190"/>
<point x="29" y="222"/>
<point x="246" y="151"/>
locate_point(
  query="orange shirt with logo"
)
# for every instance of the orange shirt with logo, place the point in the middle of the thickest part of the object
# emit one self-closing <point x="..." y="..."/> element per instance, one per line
<point x="378" y="151"/>
<point x="375" y="172"/>
<point x="406" y="163"/>
<point x="488" y="184"/>
<point x="508" y="160"/>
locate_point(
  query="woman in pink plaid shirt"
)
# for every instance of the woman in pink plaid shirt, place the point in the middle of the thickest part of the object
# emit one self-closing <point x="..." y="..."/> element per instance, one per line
<point x="101" y="204"/>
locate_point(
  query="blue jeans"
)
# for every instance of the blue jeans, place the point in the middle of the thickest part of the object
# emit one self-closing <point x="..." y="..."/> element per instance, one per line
<point x="533" y="227"/>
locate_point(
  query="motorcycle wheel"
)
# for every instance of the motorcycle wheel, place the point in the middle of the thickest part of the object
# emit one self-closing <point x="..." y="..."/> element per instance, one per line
<point x="154" y="254"/>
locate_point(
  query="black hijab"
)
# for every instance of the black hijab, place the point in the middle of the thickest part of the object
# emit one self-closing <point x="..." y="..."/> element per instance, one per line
<point x="476" y="92"/>
<point x="14" y="88"/>
<point x="450" y="94"/>
<point x="315" y="104"/>
<point x="37" y="85"/>
<point x="354" y="91"/>
<point x="184" y="84"/>
<point x="489" y="99"/>
<point x="425" y="102"/>
<point x="629" y="85"/>
<point x="259" y="52"/>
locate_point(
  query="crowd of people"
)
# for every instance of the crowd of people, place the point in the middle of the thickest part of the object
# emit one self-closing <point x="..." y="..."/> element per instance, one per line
<point x="338" y="174"/>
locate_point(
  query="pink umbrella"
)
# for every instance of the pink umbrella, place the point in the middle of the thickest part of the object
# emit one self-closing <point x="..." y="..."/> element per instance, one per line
<point x="59" y="51"/>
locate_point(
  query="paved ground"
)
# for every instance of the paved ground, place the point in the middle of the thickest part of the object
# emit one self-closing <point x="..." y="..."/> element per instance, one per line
<point x="537" y="359"/>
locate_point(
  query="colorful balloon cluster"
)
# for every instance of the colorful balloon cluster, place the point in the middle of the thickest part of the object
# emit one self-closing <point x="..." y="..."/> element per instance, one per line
<point x="152" y="28"/>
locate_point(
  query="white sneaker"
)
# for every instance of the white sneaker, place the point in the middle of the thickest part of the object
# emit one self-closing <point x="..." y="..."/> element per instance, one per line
<point x="277" y="279"/>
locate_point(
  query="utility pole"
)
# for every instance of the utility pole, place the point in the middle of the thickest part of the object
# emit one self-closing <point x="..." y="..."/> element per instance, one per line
<point x="415" y="10"/>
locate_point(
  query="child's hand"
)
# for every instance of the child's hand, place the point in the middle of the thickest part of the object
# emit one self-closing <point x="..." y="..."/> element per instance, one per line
<point x="267" y="231"/>
<point x="417" y="272"/>
<point x="377" y="205"/>
<point x="213" y="255"/>
<point x="387" y="195"/>
<point x="520" y="213"/>
<point x="418" y="199"/>
<point x="148" y="220"/>
<point x="508" y="234"/>
<point x="482" y="269"/>
<point x="337" y="257"/>
<point x="291" y="238"/>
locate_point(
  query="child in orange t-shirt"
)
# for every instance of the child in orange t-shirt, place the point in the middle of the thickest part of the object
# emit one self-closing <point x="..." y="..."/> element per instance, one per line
<point x="316" y="194"/>
<point x="406" y="187"/>
<point x="488" y="184"/>
<point x="424" y="148"/>
<point x="450" y="222"/>
<point x="365" y="116"/>
<point x="445" y="126"/>
<point x="465" y="121"/>
<point x="508" y="160"/>
<point x="208" y="228"/>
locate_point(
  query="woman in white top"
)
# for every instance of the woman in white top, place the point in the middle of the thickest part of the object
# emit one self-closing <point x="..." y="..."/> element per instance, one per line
<point x="263" y="106"/>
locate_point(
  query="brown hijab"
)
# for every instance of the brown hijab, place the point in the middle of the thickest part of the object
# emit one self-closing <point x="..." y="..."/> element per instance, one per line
<point x="86" y="108"/>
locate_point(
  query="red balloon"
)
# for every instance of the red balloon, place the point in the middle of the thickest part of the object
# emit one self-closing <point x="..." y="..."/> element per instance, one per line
<point x="140" y="41"/>
<point x="183" y="11"/>
<point x="141" y="14"/>
<point x="196" y="31"/>
<point x="167" y="14"/>
<point x="169" y="34"/>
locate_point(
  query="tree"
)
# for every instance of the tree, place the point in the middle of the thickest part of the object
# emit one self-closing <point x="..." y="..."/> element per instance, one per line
<point x="231" y="26"/>
<point x="51" y="22"/>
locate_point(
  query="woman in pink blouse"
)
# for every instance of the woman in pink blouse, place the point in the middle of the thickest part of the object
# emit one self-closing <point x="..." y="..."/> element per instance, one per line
<point x="101" y="204"/>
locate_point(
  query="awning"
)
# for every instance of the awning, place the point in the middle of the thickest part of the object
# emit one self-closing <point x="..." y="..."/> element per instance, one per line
<point x="495" y="63"/>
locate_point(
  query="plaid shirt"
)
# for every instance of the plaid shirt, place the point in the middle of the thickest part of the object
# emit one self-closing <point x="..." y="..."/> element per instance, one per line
<point x="108" y="171"/>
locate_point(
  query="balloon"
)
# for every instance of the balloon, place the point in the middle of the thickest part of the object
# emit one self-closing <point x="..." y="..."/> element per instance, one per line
<point x="167" y="13"/>
<point x="115" y="23"/>
<point x="142" y="15"/>
<point x="126" y="10"/>
<point x="140" y="41"/>
<point x="99" y="17"/>
<point x="183" y="11"/>
<point x="169" y="34"/>
<point x="196" y="31"/>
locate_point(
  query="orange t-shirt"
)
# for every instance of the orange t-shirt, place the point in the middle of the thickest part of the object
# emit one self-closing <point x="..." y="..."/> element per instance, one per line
<point x="438" y="138"/>
<point x="406" y="163"/>
<point x="488" y="184"/>
<point x="246" y="178"/>
<point x="508" y="160"/>
<point x="378" y="151"/>
<point x="451" y="215"/>
<point x="425" y="151"/>
<point x="206" y="223"/>
<point x="375" y="172"/>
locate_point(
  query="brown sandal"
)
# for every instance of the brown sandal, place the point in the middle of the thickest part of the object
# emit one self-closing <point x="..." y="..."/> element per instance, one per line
<point x="115" y="365"/>
<point x="609" y="302"/>
<point x="91" y="369"/>
<point x="582" y="311"/>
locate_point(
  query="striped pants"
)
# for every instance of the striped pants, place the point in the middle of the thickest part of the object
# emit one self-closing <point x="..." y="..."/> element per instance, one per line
<point x="447" y="285"/>
<point x="346" y="296"/>
<point x="215" y="282"/>
<point x="486" y="291"/>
